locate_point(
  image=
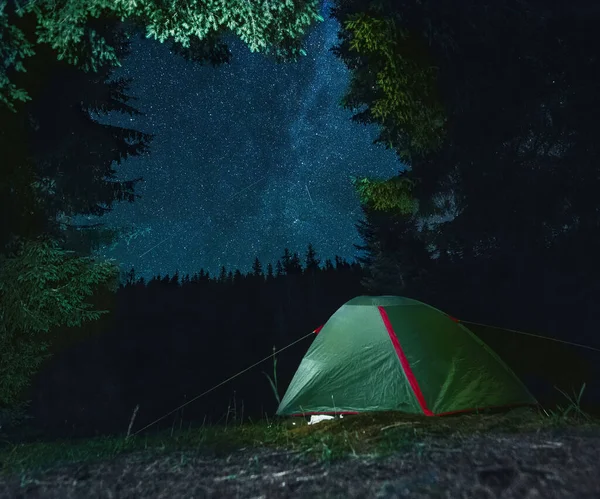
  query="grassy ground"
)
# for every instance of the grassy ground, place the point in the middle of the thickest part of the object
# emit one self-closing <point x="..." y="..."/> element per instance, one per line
<point x="375" y="434"/>
<point x="516" y="454"/>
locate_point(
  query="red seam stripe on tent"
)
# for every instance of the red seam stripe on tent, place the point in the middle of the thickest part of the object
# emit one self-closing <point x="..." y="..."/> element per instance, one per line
<point x="405" y="365"/>
<point x="325" y="413"/>
<point x="318" y="330"/>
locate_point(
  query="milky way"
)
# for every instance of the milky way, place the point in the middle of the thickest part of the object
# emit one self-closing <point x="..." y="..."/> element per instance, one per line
<point x="248" y="158"/>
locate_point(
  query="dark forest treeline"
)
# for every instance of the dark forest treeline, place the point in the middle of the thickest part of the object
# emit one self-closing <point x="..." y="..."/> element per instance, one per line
<point x="171" y="338"/>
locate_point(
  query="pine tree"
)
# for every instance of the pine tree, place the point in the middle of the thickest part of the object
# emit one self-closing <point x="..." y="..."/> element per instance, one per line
<point x="329" y="265"/>
<point x="312" y="262"/>
<point x="270" y="271"/>
<point x="223" y="275"/>
<point x="279" y="269"/>
<point x="395" y="256"/>
<point x="311" y="271"/>
<point x="257" y="268"/>
<point x="285" y="260"/>
<point x="295" y="266"/>
<point x="237" y="277"/>
<point x="41" y="287"/>
<point x="130" y="277"/>
<point x="53" y="135"/>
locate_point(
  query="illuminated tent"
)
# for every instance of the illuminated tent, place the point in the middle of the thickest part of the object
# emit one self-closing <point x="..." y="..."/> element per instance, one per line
<point x="390" y="353"/>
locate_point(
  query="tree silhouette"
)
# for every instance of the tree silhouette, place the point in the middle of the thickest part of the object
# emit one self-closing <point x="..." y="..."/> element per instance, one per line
<point x="257" y="268"/>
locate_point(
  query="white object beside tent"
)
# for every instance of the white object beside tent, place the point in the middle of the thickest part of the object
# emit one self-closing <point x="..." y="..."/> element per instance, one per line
<point x="319" y="418"/>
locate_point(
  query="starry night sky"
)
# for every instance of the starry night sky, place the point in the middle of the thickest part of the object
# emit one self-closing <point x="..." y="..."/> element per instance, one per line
<point x="248" y="158"/>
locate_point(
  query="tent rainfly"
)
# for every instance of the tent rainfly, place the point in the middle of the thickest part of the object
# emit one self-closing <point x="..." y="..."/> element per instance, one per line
<point x="390" y="353"/>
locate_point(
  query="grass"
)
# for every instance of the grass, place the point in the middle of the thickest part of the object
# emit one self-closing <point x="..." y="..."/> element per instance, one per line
<point x="374" y="434"/>
<point x="273" y="381"/>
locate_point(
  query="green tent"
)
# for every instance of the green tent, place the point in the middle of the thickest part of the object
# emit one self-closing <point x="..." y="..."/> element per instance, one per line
<point x="390" y="353"/>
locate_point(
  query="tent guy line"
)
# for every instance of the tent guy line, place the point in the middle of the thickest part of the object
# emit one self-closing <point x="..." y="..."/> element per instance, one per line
<point x="316" y="332"/>
<point x="222" y="383"/>
<point x="580" y="345"/>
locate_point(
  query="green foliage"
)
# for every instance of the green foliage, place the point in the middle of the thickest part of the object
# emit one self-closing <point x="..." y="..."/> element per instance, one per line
<point x="393" y="195"/>
<point x="273" y="26"/>
<point x="42" y="286"/>
<point x="572" y="410"/>
<point x="405" y="80"/>
<point x="273" y="380"/>
<point x="13" y="49"/>
<point x="14" y="416"/>
<point x="507" y="162"/>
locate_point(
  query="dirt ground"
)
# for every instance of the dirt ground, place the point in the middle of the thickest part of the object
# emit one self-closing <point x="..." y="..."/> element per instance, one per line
<point x="547" y="464"/>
